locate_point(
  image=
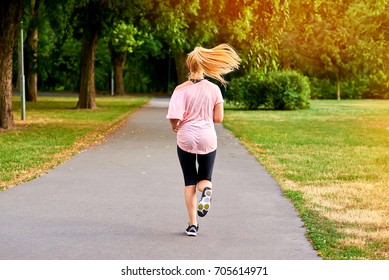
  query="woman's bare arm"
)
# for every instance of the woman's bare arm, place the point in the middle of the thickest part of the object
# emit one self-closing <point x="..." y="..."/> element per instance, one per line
<point x="218" y="113"/>
<point x="175" y="124"/>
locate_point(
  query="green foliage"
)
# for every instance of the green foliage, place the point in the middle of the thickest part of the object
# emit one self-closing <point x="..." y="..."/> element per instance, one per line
<point x="137" y="77"/>
<point x="247" y="91"/>
<point x="372" y="86"/>
<point x="172" y="19"/>
<point x="45" y="48"/>
<point x="260" y="49"/>
<point x="378" y="86"/>
<point x="66" y="60"/>
<point x="322" y="89"/>
<point x="142" y="74"/>
<point x="125" y="37"/>
<point x="287" y="90"/>
<point x="102" y="67"/>
<point x="280" y="90"/>
<point x="325" y="40"/>
<point x="337" y="40"/>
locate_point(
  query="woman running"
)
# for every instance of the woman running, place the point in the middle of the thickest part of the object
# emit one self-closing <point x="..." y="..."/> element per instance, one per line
<point x="193" y="109"/>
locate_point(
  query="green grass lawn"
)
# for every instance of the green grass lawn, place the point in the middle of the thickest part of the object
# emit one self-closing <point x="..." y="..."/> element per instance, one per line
<point x="54" y="131"/>
<point x="332" y="161"/>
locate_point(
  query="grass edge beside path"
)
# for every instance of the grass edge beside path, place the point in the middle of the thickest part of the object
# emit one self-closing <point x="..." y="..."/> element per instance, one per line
<point x="332" y="162"/>
<point x="54" y="132"/>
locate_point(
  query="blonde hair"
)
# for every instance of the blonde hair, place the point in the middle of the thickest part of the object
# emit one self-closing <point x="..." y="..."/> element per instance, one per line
<point x="214" y="62"/>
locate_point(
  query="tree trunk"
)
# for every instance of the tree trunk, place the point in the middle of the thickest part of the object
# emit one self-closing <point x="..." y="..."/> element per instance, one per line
<point x="10" y="16"/>
<point x="181" y="67"/>
<point x="118" y="61"/>
<point x="338" y="86"/>
<point x="87" y="82"/>
<point x="31" y="47"/>
<point x="31" y="65"/>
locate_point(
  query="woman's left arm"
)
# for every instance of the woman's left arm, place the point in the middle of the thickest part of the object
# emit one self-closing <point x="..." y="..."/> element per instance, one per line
<point x="175" y="124"/>
<point x="218" y="113"/>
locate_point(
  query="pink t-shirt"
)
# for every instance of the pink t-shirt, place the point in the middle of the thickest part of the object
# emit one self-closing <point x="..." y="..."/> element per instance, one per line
<point x="194" y="106"/>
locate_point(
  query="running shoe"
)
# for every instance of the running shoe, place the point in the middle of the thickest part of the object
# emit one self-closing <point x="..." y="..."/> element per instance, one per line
<point x="205" y="202"/>
<point x="192" y="230"/>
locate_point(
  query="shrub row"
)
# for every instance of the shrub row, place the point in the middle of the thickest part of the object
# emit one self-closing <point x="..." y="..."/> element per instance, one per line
<point x="374" y="86"/>
<point x="280" y="90"/>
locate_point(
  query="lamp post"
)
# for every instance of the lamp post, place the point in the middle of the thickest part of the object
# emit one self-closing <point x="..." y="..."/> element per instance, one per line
<point x="22" y="80"/>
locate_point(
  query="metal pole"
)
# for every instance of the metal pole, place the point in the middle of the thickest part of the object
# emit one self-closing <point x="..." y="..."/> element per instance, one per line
<point x="22" y="80"/>
<point x="112" y="82"/>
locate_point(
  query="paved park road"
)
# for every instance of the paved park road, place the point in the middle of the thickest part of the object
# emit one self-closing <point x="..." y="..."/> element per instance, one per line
<point x="123" y="199"/>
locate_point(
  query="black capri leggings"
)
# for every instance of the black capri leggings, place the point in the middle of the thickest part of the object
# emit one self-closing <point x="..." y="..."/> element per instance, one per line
<point x="192" y="175"/>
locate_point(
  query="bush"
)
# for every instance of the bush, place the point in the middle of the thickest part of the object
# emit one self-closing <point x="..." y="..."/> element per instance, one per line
<point x="281" y="90"/>
<point x="247" y="91"/>
<point x="349" y="89"/>
<point x="378" y="86"/>
<point x="287" y="90"/>
<point x="322" y="89"/>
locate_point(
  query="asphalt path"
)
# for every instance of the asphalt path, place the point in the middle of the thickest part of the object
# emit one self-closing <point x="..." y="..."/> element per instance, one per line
<point x="123" y="199"/>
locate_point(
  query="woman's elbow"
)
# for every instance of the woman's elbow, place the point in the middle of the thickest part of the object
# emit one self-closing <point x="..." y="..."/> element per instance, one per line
<point x="217" y="119"/>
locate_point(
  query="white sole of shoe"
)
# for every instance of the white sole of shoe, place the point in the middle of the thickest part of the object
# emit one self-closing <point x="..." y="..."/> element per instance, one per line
<point x="205" y="203"/>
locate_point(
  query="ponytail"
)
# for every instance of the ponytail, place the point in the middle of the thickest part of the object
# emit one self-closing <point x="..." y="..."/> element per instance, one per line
<point x="215" y="62"/>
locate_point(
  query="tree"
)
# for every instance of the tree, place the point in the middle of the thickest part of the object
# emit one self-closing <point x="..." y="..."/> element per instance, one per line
<point x="10" y="17"/>
<point x="182" y="25"/>
<point x="91" y="20"/>
<point x="123" y="39"/>
<point x="87" y="15"/>
<point x="252" y="27"/>
<point x="337" y="40"/>
<point x="60" y="67"/>
<point x="369" y="21"/>
<point x="88" y="21"/>
<point x="263" y="24"/>
<point x="31" y="48"/>
<point x="172" y="19"/>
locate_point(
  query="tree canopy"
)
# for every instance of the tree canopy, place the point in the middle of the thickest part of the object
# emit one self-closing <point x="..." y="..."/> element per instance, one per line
<point x="74" y="44"/>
